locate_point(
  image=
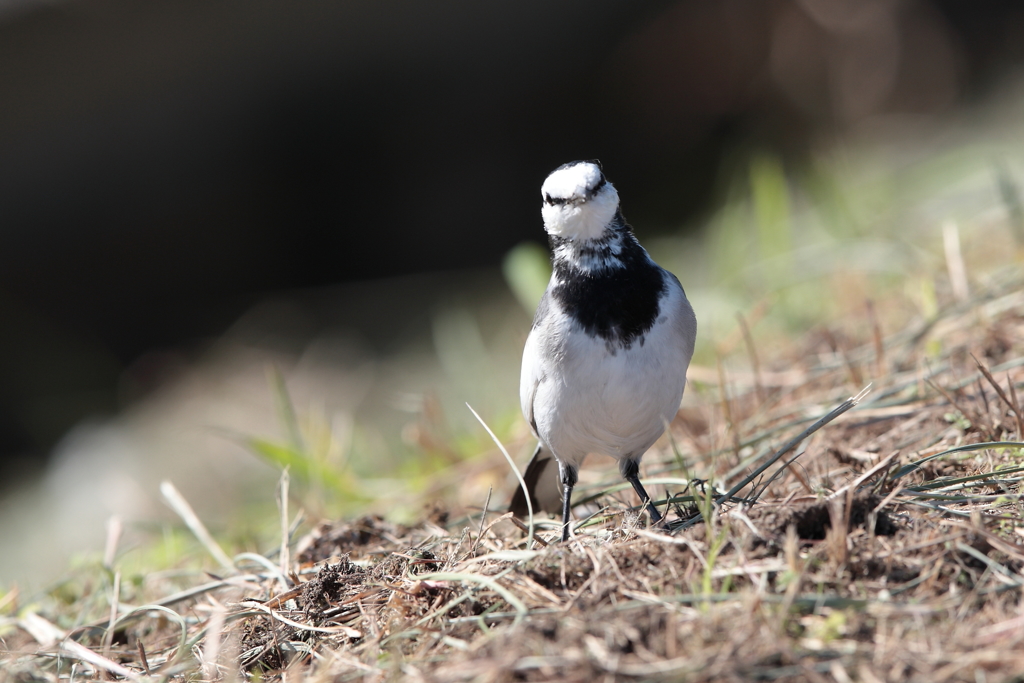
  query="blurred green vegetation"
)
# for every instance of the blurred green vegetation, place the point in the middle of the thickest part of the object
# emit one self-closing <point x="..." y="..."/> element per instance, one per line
<point x="527" y="269"/>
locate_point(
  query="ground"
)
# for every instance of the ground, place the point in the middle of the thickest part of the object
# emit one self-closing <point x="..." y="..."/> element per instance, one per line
<point x="888" y="549"/>
<point x="813" y="536"/>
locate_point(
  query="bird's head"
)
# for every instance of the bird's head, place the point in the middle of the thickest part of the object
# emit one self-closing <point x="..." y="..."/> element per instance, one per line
<point x="579" y="203"/>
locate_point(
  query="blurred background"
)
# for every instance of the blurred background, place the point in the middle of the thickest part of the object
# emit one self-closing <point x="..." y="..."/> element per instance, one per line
<point x="240" y="234"/>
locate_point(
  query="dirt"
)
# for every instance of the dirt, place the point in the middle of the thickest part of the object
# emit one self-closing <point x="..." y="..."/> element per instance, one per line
<point x="916" y="576"/>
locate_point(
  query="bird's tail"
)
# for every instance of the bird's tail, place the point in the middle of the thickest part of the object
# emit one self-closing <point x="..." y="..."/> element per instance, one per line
<point x="542" y="482"/>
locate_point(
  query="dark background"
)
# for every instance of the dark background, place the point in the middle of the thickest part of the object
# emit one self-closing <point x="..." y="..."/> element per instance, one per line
<point x="164" y="165"/>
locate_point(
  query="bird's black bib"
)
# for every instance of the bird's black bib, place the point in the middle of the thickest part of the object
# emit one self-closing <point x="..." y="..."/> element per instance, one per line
<point x="618" y="303"/>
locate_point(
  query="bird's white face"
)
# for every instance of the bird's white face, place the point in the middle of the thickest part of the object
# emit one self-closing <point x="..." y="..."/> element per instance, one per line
<point x="578" y="202"/>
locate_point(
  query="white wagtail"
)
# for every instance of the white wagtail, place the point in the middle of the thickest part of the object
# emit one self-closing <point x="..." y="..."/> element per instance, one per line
<point x="605" y="363"/>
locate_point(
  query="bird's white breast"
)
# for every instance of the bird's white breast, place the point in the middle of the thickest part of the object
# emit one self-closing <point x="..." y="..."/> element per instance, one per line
<point x="587" y="395"/>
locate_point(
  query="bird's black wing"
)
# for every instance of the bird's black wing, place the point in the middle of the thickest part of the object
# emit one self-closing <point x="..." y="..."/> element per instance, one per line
<point x="541" y="479"/>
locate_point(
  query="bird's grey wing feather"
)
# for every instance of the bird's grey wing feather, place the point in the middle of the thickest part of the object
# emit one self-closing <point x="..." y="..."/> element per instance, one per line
<point x="541" y="474"/>
<point x="542" y="482"/>
<point x="532" y="373"/>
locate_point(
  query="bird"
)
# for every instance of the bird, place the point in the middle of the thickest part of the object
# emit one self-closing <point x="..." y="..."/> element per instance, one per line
<point x="604" y="366"/>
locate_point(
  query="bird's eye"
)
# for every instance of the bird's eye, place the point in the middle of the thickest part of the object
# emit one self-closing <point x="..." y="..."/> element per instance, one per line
<point x="547" y="198"/>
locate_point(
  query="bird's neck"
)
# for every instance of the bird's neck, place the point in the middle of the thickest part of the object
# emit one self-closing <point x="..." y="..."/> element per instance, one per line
<point x="610" y="250"/>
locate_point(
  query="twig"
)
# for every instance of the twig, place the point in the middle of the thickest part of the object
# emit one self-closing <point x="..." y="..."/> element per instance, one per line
<point x="946" y="395"/>
<point x="992" y="564"/>
<point x="1016" y="409"/>
<point x="853" y="486"/>
<point x="755" y="363"/>
<point x="836" y="412"/>
<point x="897" y="490"/>
<point x="114" y="529"/>
<point x="170" y="615"/>
<point x="143" y="658"/>
<point x="995" y="384"/>
<point x="515" y="520"/>
<point x="211" y="648"/>
<point x="988" y="408"/>
<point x="856" y="379"/>
<point x="346" y="630"/>
<point x="78" y="651"/>
<point x="483" y="519"/>
<point x="488" y="581"/>
<point x="955" y="261"/>
<point x="755" y="493"/>
<point x="512" y="464"/>
<point x="115" y="599"/>
<point x="999" y="390"/>
<point x="730" y="423"/>
<point x="1010" y="194"/>
<point x="192" y="521"/>
<point x="876" y="335"/>
<point x="285" y="560"/>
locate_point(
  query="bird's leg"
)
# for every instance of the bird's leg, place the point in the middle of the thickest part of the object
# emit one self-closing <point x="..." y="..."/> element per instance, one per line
<point x="567" y="473"/>
<point x="630" y="472"/>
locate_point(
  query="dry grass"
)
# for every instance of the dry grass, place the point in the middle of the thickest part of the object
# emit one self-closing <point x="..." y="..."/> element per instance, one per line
<point x="889" y="550"/>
